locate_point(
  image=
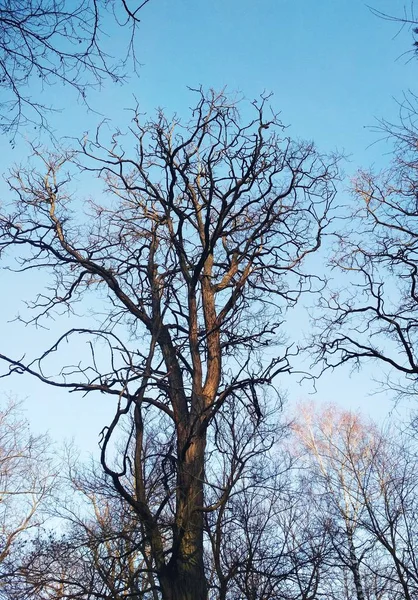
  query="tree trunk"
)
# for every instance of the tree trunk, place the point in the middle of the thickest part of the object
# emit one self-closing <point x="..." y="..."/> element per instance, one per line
<point x="184" y="581"/>
<point x="184" y="578"/>
<point x="355" y="568"/>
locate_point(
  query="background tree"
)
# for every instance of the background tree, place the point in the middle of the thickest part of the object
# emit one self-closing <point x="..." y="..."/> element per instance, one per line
<point x="373" y="315"/>
<point x="390" y="498"/>
<point x="97" y="550"/>
<point x="26" y="480"/>
<point x="356" y="499"/>
<point x="196" y="256"/>
<point x="375" y="318"/>
<point x="408" y="19"/>
<point x="44" y="42"/>
<point x="255" y="547"/>
<point x="341" y="449"/>
<point x="363" y="485"/>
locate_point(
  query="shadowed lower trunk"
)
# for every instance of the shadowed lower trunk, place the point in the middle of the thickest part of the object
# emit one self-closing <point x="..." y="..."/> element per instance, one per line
<point x="184" y="577"/>
<point x="185" y="580"/>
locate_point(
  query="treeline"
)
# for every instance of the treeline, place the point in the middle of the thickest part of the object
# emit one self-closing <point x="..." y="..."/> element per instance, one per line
<point x="322" y="507"/>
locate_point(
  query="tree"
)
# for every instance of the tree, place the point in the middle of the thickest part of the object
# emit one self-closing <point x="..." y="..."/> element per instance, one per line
<point x="96" y="552"/>
<point x="102" y="552"/>
<point x="354" y="492"/>
<point x="340" y="448"/>
<point x="363" y="484"/>
<point x="57" y="41"/>
<point x="195" y="258"/>
<point x="255" y="549"/>
<point x="376" y="318"/>
<point x="373" y="316"/>
<point x="26" y="479"/>
<point x="390" y="498"/>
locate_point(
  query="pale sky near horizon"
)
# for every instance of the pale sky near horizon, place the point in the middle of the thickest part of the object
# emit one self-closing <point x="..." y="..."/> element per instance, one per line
<point x="334" y="69"/>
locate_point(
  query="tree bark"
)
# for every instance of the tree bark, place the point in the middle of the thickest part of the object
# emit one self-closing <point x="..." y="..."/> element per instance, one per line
<point x="355" y="568"/>
<point x="184" y="578"/>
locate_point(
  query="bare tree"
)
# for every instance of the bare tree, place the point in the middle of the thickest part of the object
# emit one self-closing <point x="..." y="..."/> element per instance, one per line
<point x="374" y="316"/>
<point x="367" y="479"/>
<point x="408" y="18"/>
<point x="98" y="551"/>
<point x="196" y="258"/>
<point x="58" y="41"/>
<point x="341" y="449"/>
<point x="254" y="548"/>
<point x="391" y="502"/>
<point x="338" y="527"/>
<point x="26" y="481"/>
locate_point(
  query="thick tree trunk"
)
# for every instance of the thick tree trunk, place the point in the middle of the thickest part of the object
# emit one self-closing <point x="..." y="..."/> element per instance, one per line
<point x="184" y="577"/>
<point x="184" y="581"/>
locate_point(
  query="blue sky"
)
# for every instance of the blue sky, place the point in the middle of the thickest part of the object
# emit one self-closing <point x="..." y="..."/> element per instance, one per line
<point x="334" y="69"/>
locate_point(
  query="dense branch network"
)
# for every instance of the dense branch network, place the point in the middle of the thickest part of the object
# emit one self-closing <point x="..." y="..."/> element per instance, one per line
<point x="198" y="252"/>
<point x="375" y="316"/>
<point x="44" y="42"/>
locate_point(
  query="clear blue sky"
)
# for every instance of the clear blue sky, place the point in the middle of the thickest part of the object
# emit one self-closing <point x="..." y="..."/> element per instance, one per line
<point x="334" y="68"/>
